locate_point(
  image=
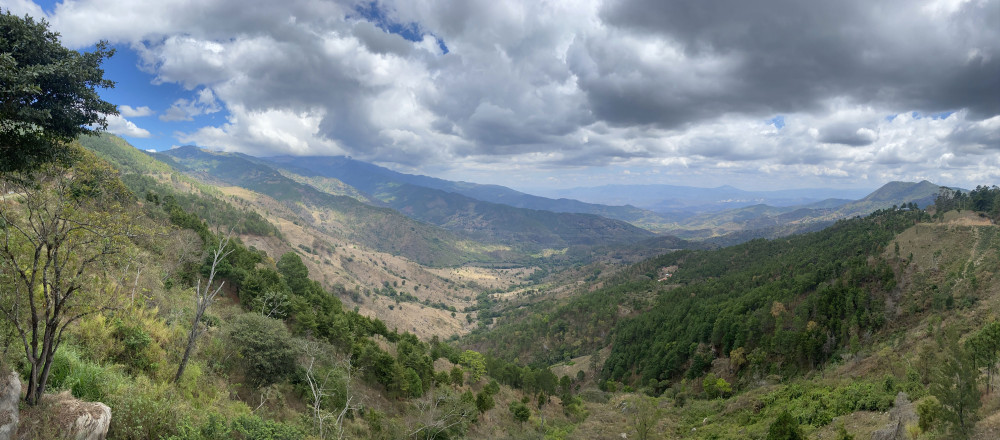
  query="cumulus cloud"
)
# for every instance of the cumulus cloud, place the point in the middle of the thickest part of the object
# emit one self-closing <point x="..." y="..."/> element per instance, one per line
<point x="135" y="112"/>
<point x="123" y="127"/>
<point x="680" y="87"/>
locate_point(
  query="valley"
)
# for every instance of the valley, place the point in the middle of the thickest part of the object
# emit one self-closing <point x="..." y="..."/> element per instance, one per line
<point x="501" y="220"/>
<point x="763" y="317"/>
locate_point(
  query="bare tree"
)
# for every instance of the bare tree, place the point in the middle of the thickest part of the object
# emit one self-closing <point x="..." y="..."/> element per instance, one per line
<point x="322" y="383"/>
<point x="273" y="304"/>
<point x="441" y="413"/>
<point x="203" y="298"/>
<point x="62" y="232"/>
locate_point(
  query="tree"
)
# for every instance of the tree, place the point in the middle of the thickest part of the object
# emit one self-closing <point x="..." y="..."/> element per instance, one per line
<point x="520" y="412"/>
<point x="202" y="299"/>
<point x="646" y="413"/>
<point x="954" y="384"/>
<point x="484" y="401"/>
<point x="475" y="362"/>
<point x="785" y="427"/>
<point x="325" y="383"/>
<point x="457" y="375"/>
<point x="48" y="94"/>
<point x="442" y="414"/>
<point x="62" y="234"/>
<point x="264" y="347"/>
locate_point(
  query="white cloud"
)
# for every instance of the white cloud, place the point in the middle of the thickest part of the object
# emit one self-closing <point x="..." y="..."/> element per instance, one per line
<point x="185" y="110"/>
<point x="123" y="127"/>
<point x="135" y="112"/>
<point x="565" y="85"/>
<point x="21" y="8"/>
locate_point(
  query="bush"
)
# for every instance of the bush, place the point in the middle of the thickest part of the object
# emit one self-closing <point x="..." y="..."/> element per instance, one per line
<point x="252" y="427"/>
<point x="264" y="347"/>
<point x="85" y="380"/>
<point x="785" y="427"/>
<point x="929" y="410"/>
<point x="143" y="411"/>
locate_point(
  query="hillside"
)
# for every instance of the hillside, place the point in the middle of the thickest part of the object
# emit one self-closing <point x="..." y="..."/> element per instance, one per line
<point x="818" y="317"/>
<point x="380" y="228"/>
<point x="495" y="225"/>
<point x="734" y="226"/>
<point x="278" y="351"/>
<point x="383" y="182"/>
<point x="699" y="343"/>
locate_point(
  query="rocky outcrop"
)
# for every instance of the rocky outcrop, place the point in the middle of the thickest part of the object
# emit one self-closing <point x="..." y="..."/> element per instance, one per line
<point x="902" y="414"/>
<point x="10" y="395"/>
<point x="77" y="419"/>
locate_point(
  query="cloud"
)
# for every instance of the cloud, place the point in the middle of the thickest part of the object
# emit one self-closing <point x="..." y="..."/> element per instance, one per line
<point x="685" y="88"/>
<point x="185" y="110"/>
<point x="135" y="112"/>
<point x="123" y="127"/>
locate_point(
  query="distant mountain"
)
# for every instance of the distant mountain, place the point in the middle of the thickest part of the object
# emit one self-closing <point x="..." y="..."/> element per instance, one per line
<point x="672" y="199"/>
<point x="492" y="224"/>
<point x="382" y="183"/>
<point x="894" y="193"/>
<point x="766" y="221"/>
<point x="382" y="229"/>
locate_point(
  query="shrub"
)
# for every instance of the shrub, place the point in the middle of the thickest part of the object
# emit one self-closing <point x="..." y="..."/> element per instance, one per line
<point x="264" y="347"/>
<point x="928" y="410"/>
<point x="785" y="427"/>
<point x="252" y="427"/>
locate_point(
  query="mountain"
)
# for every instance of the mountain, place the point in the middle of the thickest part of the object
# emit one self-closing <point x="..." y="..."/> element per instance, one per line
<point x="492" y="224"/>
<point x="767" y="221"/>
<point x="674" y="199"/>
<point x="922" y="193"/>
<point x="381" y="182"/>
<point x="380" y="228"/>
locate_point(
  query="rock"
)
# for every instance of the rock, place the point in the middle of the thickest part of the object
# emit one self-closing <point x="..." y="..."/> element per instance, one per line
<point x="902" y="414"/>
<point x="10" y="395"/>
<point x="79" y="420"/>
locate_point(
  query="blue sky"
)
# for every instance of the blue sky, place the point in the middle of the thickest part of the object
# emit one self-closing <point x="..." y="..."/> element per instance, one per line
<point x="567" y="92"/>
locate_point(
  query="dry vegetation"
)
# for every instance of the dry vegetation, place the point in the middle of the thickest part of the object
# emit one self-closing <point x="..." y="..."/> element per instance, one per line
<point x="332" y="260"/>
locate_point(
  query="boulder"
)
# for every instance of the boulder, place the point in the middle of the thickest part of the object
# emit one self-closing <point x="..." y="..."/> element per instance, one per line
<point x="10" y="396"/>
<point x="77" y="419"/>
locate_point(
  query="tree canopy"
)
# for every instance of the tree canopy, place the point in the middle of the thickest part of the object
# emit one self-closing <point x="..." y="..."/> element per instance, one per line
<point x="48" y="93"/>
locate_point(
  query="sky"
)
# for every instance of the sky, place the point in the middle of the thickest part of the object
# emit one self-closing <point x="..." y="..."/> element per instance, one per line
<point x="769" y="94"/>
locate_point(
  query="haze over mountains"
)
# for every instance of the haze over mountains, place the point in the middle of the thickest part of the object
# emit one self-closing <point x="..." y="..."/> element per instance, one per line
<point x="524" y="223"/>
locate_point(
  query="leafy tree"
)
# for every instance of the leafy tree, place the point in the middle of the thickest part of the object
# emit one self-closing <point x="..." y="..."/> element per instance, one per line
<point x="457" y="375"/>
<point x="785" y="427"/>
<point x="484" y="401"/>
<point x="48" y="94"/>
<point x="63" y="235"/>
<point x="954" y="384"/>
<point x="715" y="386"/>
<point x="264" y="347"/>
<point x="476" y="364"/>
<point x="520" y="412"/>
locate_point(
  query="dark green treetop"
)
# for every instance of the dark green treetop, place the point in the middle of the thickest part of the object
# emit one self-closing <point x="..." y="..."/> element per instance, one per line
<point x="48" y="93"/>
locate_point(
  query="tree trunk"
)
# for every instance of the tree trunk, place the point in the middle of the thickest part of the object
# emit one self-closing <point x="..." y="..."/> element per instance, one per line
<point x="192" y="337"/>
